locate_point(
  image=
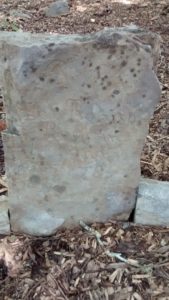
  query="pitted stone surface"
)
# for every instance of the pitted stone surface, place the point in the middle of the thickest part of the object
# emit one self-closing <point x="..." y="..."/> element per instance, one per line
<point x="78" y="109"/>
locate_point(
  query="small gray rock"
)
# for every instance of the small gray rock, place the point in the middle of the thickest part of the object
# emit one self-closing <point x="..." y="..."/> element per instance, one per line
<point x="20" y="14"/>
<point x="4" y="220"/>
<point x="152" y="203"/>
<point x="57" y="8"/>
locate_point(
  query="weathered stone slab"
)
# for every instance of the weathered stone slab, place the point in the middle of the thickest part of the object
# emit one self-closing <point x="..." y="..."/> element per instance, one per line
<point x="152" y="206"/>
<point x="4" y="219"/>
<point x="78" y="109"/>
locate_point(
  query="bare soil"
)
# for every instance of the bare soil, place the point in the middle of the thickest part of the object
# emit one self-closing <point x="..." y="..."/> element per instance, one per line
<point x="73" y="264"/>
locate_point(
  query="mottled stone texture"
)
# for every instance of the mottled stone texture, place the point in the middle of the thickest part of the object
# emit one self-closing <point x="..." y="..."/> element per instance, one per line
<point x="152" y="207"/>
<point x="78" y="109"/>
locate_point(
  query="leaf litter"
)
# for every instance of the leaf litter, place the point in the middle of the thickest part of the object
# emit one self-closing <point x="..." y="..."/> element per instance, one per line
<point x="103" y="261"/>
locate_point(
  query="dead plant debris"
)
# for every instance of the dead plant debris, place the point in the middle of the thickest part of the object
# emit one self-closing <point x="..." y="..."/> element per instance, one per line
<point x="73" y="264"/>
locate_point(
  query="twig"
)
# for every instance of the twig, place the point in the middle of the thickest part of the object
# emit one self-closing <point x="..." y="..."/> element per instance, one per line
<point x="93" y="232"/>
<point x="64" y="254"/>
<point x="3" y="183"/>
<point x="107" y="252"/>
<point x="3" y="190"/>
<point x="146" y="162"/>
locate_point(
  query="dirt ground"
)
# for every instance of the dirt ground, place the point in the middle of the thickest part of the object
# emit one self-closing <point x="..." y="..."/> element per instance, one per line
<point x="128" y="261"/>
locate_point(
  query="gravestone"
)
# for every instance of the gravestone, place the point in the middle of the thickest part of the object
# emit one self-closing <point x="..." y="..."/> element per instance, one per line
<point x="78" y="109"/>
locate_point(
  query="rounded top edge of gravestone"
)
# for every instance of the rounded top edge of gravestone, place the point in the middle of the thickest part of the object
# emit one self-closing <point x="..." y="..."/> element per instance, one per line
<point x="133" y="29"/>
<point x="107" y="37"/>
<point x="115" y="33"/>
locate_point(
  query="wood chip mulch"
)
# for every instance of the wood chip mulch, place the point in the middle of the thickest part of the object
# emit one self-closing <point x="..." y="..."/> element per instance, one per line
<point x="73" y="265"/>
<point x="125" y="261"/>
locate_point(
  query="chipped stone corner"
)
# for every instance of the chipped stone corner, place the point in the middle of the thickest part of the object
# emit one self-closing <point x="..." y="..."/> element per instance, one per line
<point x="4" y="216"/>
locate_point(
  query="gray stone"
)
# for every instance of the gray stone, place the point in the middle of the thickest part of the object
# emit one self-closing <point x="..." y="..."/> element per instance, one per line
<point x="4" y="219"/>
<point x="152" y="206"/>
<point x="20" y="14"/>
<point x="57" y="8"/>
<point x="78" y="109"/>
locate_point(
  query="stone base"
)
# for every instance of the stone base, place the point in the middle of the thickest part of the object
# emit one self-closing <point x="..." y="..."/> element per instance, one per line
<point x="152" y="208"/>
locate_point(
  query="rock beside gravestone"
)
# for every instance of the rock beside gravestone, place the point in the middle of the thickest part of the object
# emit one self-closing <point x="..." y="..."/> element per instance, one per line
<point x="57" y="8"/>
<point x="20" y="14"/>
<point x="152" y="206"/>
<point x="78" y="110"/>
<point x="4" y="219"/>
